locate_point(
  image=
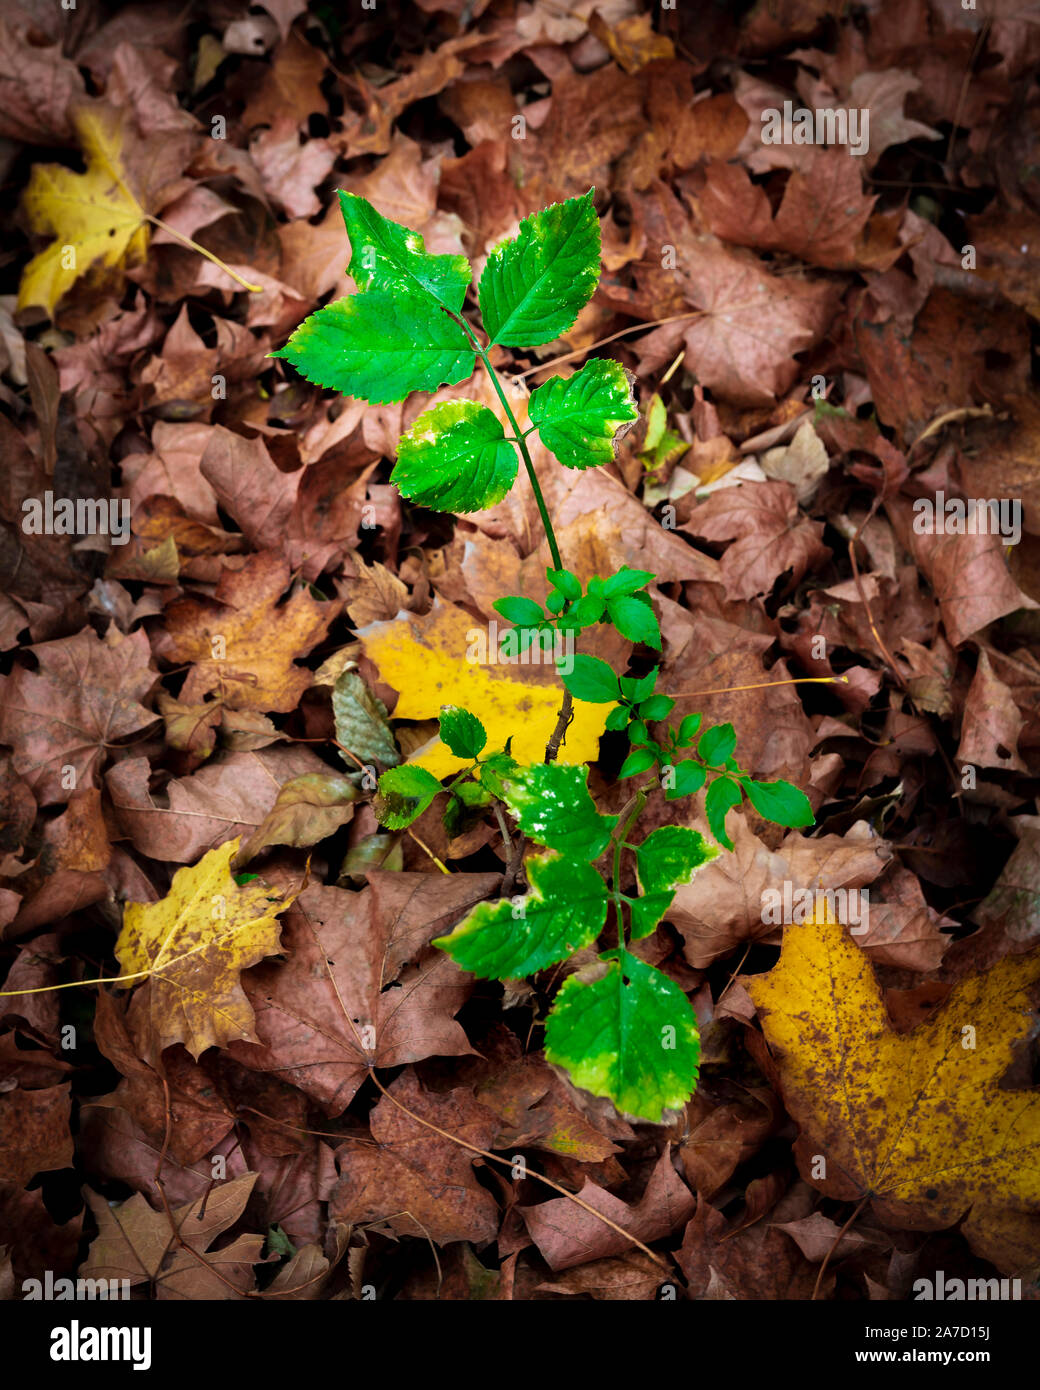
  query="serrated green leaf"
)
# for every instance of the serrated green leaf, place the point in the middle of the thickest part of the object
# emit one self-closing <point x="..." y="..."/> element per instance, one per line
<point x="638" y="688"/>
<point x="617" y="718"/>
<point x="657" y="707"/>
<point x="552" y="805"/>
<point x="463" y="732"/>
<point x="780" y="802"/>
<point x="568" y="584"/>
<point x="579" y="416"/>
<point x="668" y="857"/>
<point x="689" y="777"/>
<point x="455" y="458"/>
<point x="534" y="286"/>
<point x="723" y="794"/>
<point x="493" y="770"/>
<point x="524" y="612"/>
<point x="362" y="724"/>
<point x="637" y="761"/>
<point x="717" y="744"/>
<point x="379" y="346"/>
<point x="404" y="794"/>
<point x="588" y="610"/>
<point x="387" y="255"/>
<point x="592" y="680"/>
<point x="626" y="581"/>
<point x="631" y="1036"/>
<point x="635" y="620"/>
<point x="565" y="909"/>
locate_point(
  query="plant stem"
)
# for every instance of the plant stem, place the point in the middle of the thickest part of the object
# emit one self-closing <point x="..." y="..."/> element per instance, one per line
<point x="636" y="802"/>
<point x="194" y="245"/>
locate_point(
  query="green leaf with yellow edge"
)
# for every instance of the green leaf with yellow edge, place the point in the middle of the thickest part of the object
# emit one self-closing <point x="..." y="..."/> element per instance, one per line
<point x="553" y="805"/>
<point x="668" y="857"/>
<point x="443" y="658"/>
<point x="918" y="1121"/>
<point x="630" y="1035"/>
<point x="404" y="794"/>
<point x="579" y="416"/>
<point x="192" y="946"/>
<point x="387" y="255"/>
<point x="534" y="286"/>
<point x="455" y="458"/>
<point x="93" y="213"/>
<point x="565" y="909"/>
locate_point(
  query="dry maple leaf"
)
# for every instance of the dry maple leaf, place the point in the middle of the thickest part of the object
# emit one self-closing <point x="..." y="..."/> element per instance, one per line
<point x="244" y="642"/>
<point x="138" y="1244"/>
<point x="917" y="1122"/>
<point x="193" y="945"/>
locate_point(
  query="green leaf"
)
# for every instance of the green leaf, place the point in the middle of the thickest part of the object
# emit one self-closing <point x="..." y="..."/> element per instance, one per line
<point x="555" y="601"/>
<point x="362" y="724"/>
<point x="635" y="620"/>
<point x="638" y="688"/>
<point x="626" y="581"/>
<point x="379" y="346"/>
<point x="591" y="680"/>
<point x="588" y="610"/>
<point x="689" y="728"/>
<point x="568" y="584"/>
<point x="779" y="802"/>
<point x="689" y="778"/>
<point x="657" y="707"/>
<point x="386" y="255"/>
<point x="493" y="771"/>
<point x="579" y="416"/>
<point x="637" y="761"/>
<point x="565" y="909"/>
<point x="524" y="612"/>
<point x="455" y="458"/>
<point x="463" y="732"/>
<point x="717" y="744"/>
<point x="534" y="286"/>
<point x="617" y="718"/>
<point x="723" y="794"/>
<point x="404" y="794"/>
<point x="552" y="804"/>
<point x="667" y="857"/>
<point x="631" y="1036"/>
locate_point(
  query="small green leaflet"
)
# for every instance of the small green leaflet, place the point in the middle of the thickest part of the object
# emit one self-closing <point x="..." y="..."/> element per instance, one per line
<point x="717" y="744"/>
<point x="565" y="909"/>
<point x="404" y="794"/>
<point x="667" y="857"/>
<point x="386" y="255"/>
<point x="723" y="794"/>
<point x="635" y="619"/>
<point x="463" y="732"/>
<point x="631" y="1036"/>
<point x="534" y="287"/>
<point x="779" y="802"/>
<point x="687" y="777"/>
<point x="455" y="458"/>
<point x="579" y="417"/>
<point x="592" y="680"/>
<point x="552" y="804"/>
<point x="379" y="345"/>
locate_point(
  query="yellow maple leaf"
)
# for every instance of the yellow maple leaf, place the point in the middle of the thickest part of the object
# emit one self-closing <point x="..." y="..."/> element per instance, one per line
<point x="193" y="945"/>
<point x="427" y="661"/>
<point x="916" y="1122"/>
<point x="94" y="217"/>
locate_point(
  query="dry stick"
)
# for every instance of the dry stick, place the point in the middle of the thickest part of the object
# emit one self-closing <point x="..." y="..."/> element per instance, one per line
<point x="837" y="1241"/>
<point x="443" y="868"/>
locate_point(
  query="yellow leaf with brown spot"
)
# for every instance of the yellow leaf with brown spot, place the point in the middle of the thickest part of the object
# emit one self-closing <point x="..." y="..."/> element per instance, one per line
<point x="436" y="660"/>
<point x="94" y="217"/>
<point x="193" y="945"/>
<point x="915" y="1121"/>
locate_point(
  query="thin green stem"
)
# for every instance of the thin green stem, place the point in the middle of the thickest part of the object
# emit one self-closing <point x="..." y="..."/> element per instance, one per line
<point x="521" y="443"/>
<point x="636" y="803"/>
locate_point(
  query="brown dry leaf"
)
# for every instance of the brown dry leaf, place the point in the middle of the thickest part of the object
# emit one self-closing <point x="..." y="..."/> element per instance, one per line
<point x="567" y="1235"/>
<point x="412" y="1180"/>
<point x="771" y="536"/>
<point x="634" y="1277"/>
<point x="35" y="1130"/>
<point x="292" y="167"/>
<point x="745" y="1260"/>
<point x="136" y="1243"/>
<point x="242" y="643"/>
<point x="249" y="486"/>
<point x="291" y="88"/>
<point x="308" y="809"/>
<point x="38" y="89"/>
<point x="62" y="718"/>
<point x="324" y="1031"/>
<point x="991" y="723"/>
